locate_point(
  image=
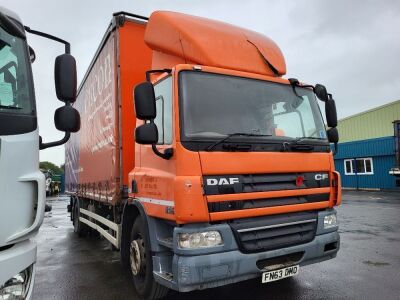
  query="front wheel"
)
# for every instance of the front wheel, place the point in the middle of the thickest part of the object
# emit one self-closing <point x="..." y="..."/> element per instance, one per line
<point x="141" y="263"/>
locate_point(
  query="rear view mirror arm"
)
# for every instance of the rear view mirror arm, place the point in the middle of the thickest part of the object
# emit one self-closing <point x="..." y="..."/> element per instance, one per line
<point x="168" y="153"/>
<point x="56" y="143"/>
<point x="51" y="37"/>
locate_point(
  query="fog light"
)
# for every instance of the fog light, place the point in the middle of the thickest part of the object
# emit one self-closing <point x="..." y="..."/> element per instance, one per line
<point x="330" y="221"/>
<point x="17" y="287"/>
<point x="199" y="240"/>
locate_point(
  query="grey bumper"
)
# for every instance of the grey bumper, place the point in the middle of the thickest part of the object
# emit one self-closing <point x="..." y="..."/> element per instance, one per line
<point x="194" y="271"/>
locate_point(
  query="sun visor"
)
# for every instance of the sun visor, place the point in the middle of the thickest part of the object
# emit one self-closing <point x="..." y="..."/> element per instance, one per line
<point x="212" y="43"/>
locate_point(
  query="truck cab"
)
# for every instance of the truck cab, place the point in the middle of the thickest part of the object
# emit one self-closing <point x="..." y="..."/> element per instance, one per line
<point x="22" y="184"/>
<point x="238" y="157"/>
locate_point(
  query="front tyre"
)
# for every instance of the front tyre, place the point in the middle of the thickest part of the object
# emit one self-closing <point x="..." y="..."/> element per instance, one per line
<point x="141" y="263"/>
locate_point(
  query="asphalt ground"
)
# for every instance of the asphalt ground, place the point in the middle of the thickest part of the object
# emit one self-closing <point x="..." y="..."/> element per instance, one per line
<point x="367" y="265"/>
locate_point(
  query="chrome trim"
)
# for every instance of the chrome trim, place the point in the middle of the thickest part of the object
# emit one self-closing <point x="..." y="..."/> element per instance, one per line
<point x="276" y="225"/>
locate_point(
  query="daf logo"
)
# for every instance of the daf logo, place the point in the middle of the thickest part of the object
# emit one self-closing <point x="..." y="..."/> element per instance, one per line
<point x="222" y="181"/>
<point x="321" y="176"/>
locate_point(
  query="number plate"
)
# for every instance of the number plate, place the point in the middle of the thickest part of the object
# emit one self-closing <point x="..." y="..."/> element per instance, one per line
<point x="279" y="274"/>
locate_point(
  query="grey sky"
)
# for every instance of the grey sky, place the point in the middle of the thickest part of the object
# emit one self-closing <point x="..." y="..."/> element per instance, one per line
<point x="352" y="47"/>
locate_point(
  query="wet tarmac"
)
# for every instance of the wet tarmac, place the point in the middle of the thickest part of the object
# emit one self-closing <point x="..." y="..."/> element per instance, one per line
<point x="367" y="265"/>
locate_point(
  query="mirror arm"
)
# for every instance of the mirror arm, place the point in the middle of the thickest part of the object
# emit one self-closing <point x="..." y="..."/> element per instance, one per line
<point x="335" y="149"/>
<point x="51" y="37"/>
<point x="54" y="144"/>
<point x="148" y="73"/>
<point x="168" y="153"/>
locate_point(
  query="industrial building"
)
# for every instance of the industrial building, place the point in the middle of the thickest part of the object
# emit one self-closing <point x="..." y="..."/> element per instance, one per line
<point x="367" y="149"/>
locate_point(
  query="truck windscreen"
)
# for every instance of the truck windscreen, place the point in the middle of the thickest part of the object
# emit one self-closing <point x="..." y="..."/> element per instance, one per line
<point x="15" y="84"/>
<point x="214" y="106"/>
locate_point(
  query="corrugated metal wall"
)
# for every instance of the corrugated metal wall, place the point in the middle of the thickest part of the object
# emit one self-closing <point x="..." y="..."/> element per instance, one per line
<point x="382" y="152"/>
<point x="366" y="148"/>
<point x="370" y="124"/>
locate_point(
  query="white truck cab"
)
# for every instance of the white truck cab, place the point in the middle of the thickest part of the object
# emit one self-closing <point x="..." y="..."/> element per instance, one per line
<point x="22" y="184"/>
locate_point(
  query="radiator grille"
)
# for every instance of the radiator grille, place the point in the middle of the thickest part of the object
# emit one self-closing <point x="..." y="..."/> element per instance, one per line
<point x="273" y="232"/>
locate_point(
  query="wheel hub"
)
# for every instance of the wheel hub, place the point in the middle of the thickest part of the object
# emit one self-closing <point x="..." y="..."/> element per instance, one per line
<point x="137" y="256"/>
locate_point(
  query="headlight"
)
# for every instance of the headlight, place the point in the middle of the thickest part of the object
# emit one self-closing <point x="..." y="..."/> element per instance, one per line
<point x="199" y="240"/>
<point x="330" y="221"/>
<point x="17" y="287"/>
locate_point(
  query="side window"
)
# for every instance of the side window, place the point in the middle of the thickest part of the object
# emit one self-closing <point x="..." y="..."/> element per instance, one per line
<point x="163" y="92"/>
<point x="8" y="81"/>
<point x="296" y="118"/>
<point x="348" y="167"/>
<point x="308" y="119"/>
<point x="361" y="166"/>
<point x="15" y="83"/>
<point x="365" y="166"/>
<point x="288" y="123"/>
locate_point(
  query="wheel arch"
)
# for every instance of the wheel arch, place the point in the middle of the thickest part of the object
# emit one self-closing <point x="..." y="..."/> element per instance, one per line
<point x="131" y="210"/>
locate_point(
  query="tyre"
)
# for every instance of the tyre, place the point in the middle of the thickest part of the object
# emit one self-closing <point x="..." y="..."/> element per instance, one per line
<point x="80" y="228"/>
<point x="141" y="263"/>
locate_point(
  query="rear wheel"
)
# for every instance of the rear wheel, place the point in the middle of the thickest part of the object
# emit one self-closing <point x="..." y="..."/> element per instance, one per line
<point x="80" y="228"/>
<point x="141" y="263"/>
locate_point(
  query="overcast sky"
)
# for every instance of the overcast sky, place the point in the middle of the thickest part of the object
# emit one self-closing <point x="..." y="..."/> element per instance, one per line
<point x="352" y="47"/>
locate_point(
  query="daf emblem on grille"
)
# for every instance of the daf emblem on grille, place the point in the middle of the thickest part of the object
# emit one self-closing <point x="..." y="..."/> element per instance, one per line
<point x="299" y="181"/>
<point x="222" y="181"/>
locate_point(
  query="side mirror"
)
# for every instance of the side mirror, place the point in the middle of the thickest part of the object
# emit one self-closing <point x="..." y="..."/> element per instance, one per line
<point x="67" y="119"/>
<point x="65" y="77"/>
<point x="333" y="135"/>
<point x="146" y="134"/>
<point x="330" y="113"/>
<point x="321" y="92"/>
<point x="145" y="101"/>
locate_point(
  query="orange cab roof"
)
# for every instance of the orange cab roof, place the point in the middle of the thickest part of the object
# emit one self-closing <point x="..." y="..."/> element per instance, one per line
<point x="212" y="43"/>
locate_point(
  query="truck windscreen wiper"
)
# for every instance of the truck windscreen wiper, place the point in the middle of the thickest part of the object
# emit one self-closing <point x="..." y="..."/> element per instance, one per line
<point x="296" y="143"/>
<point x="300" y="139"/>
<point x="10" y="107"/>
<point x="212" y="146"/>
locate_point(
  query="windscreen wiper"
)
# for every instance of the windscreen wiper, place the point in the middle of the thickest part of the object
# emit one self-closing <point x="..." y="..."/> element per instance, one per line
<point x="300" y="139"/>
<point x="212" y="146"/>
<point x="10" y="107"/>
<point x="296" y="144"/>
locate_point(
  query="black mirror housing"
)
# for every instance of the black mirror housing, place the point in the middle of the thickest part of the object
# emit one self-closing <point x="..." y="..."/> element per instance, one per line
<point x="67" y="119"/>
<point x="330" y="113"/>
<point x="146" y="134"/>
<point x="65" y="77"/>
<point x="145" y="101"/>
<point x="321" y="92"/>
<point x="333" y="135"/>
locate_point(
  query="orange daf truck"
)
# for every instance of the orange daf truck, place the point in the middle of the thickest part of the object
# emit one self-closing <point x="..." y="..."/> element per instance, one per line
<point x="197" y="160"/>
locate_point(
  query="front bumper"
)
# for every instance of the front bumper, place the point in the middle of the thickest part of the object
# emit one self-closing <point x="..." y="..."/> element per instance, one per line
<point x="228" y="265"/>
<point x="16" y="259"/>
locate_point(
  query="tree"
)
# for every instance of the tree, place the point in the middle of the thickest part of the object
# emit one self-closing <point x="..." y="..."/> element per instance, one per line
<point x="46" y="165"/>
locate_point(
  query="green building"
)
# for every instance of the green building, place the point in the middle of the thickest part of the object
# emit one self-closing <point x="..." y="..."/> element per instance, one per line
<point x="367" y="149"/>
